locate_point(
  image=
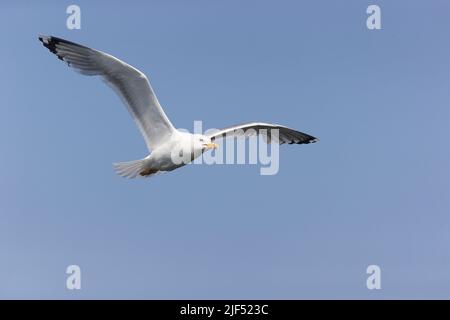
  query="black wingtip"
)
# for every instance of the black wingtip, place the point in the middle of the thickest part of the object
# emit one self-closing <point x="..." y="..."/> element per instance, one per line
<point x="50" y="42"/>
<point x="310" y="139"/>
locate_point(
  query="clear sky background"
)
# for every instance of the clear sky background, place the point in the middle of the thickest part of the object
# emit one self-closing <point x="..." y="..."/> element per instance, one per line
<point x="374" y="190"/>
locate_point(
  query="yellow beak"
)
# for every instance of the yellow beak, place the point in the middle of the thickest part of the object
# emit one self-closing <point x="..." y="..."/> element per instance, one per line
<point x="211" y="146"/>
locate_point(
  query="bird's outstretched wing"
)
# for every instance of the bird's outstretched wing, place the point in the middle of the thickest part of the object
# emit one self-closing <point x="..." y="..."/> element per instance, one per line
<point x="130" y="84"/>
<point x="285" y="134"/>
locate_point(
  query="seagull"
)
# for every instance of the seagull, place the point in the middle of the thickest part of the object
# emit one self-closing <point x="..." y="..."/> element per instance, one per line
<point x="162" y="139"/>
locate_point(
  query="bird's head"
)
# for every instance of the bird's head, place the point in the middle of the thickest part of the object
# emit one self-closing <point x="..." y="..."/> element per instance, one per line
<point x="203" y="142"/>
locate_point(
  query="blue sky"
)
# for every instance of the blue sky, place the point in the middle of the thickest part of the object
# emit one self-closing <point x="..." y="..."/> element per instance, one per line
<point x="375" y="190"/>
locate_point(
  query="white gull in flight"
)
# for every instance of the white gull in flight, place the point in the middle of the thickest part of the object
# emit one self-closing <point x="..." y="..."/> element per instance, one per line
<point x="162" y="139"/>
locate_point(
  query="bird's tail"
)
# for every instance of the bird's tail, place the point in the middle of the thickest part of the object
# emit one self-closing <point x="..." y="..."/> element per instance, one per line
<point x="133" y="169"/>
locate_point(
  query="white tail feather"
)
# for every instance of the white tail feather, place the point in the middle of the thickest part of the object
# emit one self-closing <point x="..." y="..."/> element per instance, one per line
<point x="129" y="169"/>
